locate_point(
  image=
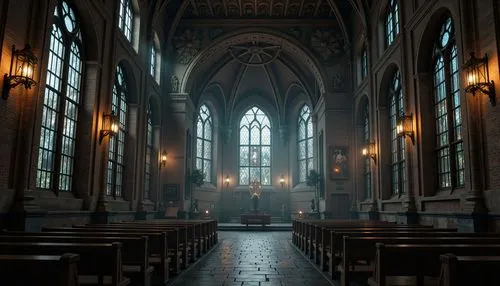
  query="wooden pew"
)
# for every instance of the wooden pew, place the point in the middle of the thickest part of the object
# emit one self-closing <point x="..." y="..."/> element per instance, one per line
<point x="469" y="270"/>
<point x="325" y="248"/>
<point x="157" y="245"/>
<point x="358" y="249"/>
<point x="56" y="270"/>
<point x="135" y="252"/>
<point x="206" y="230"/>
<point x="101" y="260"/>
<point x="408" y="264"/>
<point x="189" y="233"/>
<point x="176" y="239"/>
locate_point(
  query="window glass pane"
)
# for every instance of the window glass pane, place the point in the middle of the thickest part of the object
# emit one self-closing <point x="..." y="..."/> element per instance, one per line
<point x="255" y="136"/>
<point x="244" y="174"/>
<point x="60" y="102"/>
<point x="244" y="159"/>
<point x="266" y="156"/>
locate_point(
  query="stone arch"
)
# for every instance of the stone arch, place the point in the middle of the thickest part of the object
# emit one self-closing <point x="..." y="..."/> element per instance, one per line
<point x="155" y="102"/>
<point x="131" y="79"/>
<point x="91" y="40"/>
<point x="219" y="47"/>
<point x="384" y="84"/>
<point x="429" y="36"/>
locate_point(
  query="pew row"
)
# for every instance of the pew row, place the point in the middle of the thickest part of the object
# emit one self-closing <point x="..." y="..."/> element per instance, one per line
<point x="99" y="264"/>
<point x="56" y="270"/>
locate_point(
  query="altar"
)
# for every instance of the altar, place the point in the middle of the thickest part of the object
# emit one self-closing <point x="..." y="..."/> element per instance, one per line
<point x="255" y="218"/>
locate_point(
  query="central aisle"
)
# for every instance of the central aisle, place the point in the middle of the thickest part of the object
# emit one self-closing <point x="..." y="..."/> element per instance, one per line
<point x="253" y="258"/>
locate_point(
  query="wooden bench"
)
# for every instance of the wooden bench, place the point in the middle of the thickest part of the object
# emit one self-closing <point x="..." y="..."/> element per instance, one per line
<point x="469" y="270"/>
<point x="191" y="235"/>
<point x="99" y="264"/>
<point x="176" y="238"/>
<point x="359" y="253"/>
<point x="56" y="270"/>
<point x="135" y="257"/>
<point x="158" y="248"/>
<point x="419" y="264"/>
<point x="325" y="248"/>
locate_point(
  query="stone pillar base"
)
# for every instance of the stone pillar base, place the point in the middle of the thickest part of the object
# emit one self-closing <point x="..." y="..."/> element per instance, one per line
<point x="472" y="222"/>
<point x="373" y="215"/>
<point x="408" y="217"/>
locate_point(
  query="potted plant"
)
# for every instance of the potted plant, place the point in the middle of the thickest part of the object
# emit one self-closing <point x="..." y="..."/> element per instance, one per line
<point x="198" y="179"/>
<point x="312" y="180"/>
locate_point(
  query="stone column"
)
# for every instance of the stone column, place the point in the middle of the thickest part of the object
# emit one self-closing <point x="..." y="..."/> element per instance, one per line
<point x="473" y="215"/>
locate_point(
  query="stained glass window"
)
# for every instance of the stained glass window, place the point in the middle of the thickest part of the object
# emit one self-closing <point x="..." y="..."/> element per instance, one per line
<point x="149" y="154"/>
<point x="392" y="22"/>
<point x="116" y="153"/>
<point x="305" y="143"/>
<point x="447" y="110"/>
<point x="367" y="174"/>
<point x="255" y="147"/>
<point x="152" y="64"/>
<point x="364" y="64"/>
<point x="398" y="145"/>
<point x="60" y="103"/>
<point x="204" y="142"/>
<point x="126" y="18"/>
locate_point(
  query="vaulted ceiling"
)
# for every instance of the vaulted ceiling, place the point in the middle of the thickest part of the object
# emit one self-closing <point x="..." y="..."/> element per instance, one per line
<point x="258" y="8"/>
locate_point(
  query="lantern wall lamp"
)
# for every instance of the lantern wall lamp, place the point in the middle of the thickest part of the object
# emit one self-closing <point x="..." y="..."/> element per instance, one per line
<point x="22" y="67"/>
<point x="369" y="151"/>
<point x="110" y="126"/>
<point x="227" y="180"/>
<point x="282" y="180"/>
<point x="404" y="127"/>
<point x="163" y="158"/>
<point x="478" y="77"/>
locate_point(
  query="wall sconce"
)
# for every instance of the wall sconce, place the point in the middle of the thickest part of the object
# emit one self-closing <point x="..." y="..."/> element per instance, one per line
<point x="110" y="126"/>
<point x="227" y="180"/>
<point x="163" y="158"/>
<point x="478" y="77"/>
<point x="282" y="180"/>
<point x="404" y="127"/>
<point x="369" y="150"/>
<point x="22" y="68"/>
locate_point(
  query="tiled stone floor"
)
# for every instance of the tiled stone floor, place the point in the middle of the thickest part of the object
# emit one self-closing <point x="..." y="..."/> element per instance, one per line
<point x="253" y="258"/>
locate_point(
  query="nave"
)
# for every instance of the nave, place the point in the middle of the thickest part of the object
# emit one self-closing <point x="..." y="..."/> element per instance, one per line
<point x="253" y="258"/>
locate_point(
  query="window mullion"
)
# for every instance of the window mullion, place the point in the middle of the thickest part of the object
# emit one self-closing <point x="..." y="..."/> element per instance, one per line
<point x="449" y="116"/>
<point x="61" y="117"/>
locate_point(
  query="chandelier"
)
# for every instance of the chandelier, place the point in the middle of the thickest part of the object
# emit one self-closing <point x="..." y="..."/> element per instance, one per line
<point x="255" y="188"/>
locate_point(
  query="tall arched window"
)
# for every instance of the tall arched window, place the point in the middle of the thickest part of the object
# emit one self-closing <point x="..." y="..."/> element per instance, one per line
<point x="398" y="145"/>
<point x="204" y="142"/>
<point x="126" y="18"/>
<point x="364" y="63"/>
<point x="116" y="153"/>
<point x="391" y="22"/>
<point x="154" y="58"/>
<point x="149" y="154"/>
<point x="255" y="147"/>
<point x="60" y="102"/>
<point x="447" y="111"/>
<point x="305" y="143"/>
<point x="367" y="173"/>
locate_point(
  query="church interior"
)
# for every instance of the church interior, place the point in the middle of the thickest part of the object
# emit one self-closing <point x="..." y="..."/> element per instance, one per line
<point x="194" y="115"/>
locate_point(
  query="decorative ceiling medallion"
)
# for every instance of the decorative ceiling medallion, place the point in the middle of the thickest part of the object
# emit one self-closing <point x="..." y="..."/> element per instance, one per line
<point x="187" y="45"/>
<point x="327" y="44"/>
<point x="254" y="53"/>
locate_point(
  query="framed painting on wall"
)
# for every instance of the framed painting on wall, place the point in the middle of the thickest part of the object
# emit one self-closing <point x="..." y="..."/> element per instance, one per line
<point x="339" y="162"/>
<point x="171" y="192"/>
